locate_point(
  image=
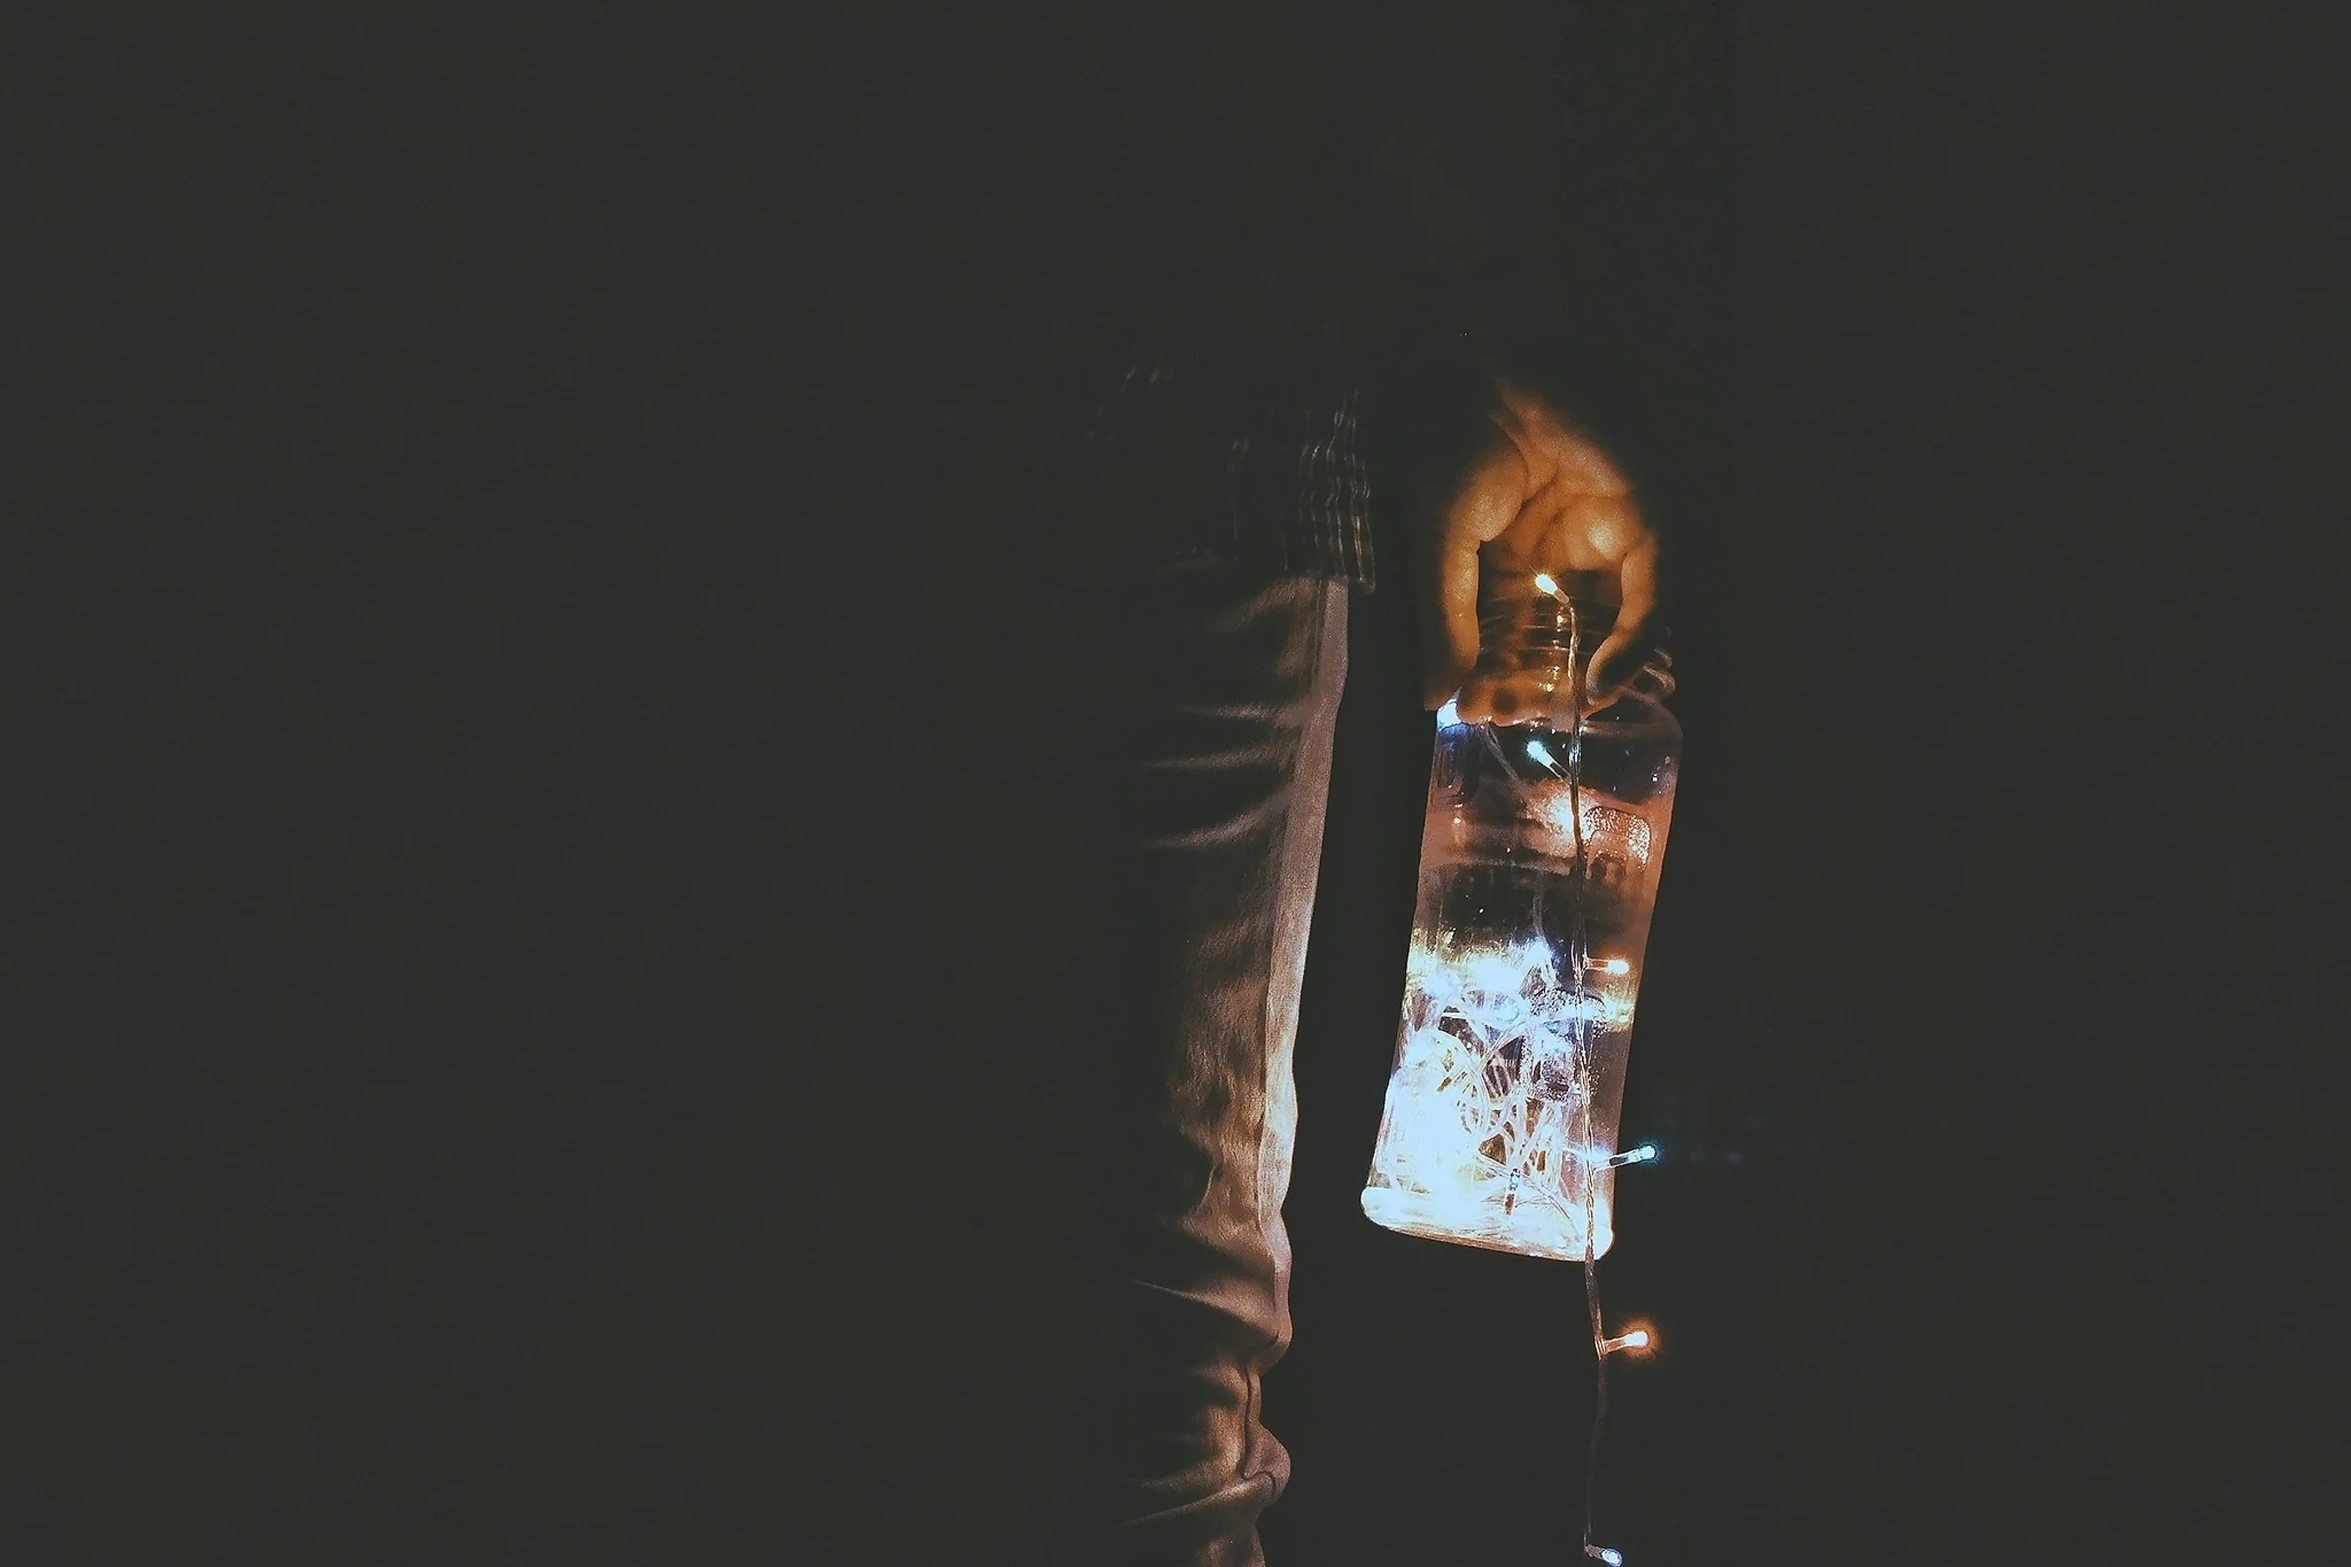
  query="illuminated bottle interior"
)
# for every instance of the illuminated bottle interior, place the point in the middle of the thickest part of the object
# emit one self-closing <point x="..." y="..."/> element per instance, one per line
<point x="1539" y="858"/>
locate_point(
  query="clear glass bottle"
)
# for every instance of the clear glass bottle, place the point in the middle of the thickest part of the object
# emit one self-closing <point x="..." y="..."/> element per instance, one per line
<point x="1538" y="873"/>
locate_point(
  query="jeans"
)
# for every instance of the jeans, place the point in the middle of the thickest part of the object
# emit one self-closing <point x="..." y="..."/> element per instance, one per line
<point x="1226" y="776"/>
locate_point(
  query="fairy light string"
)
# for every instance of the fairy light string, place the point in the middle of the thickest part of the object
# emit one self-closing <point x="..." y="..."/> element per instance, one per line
<point x="1493" y="1114"/>
<point x="1580" y="964"/>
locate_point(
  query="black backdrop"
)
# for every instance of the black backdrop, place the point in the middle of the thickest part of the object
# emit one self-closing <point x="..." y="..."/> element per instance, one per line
<point x="527" y="514"/>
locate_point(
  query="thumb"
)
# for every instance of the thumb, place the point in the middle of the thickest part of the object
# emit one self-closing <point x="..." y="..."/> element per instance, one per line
<point x="1635" y="635"/>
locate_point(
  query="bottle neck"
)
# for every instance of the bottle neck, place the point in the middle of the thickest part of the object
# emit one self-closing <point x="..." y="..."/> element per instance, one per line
<point x="1524" y="630"/>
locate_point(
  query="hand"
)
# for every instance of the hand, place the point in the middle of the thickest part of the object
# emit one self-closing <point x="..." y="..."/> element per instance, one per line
<point x="1538" y="496"/>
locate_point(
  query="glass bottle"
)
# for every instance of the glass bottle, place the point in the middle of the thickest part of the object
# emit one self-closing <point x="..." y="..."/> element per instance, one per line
<point x="1538" y="872"/>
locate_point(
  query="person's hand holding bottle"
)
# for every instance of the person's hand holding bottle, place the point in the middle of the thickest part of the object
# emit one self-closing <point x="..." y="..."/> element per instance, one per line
<point x="1537" y="496"/>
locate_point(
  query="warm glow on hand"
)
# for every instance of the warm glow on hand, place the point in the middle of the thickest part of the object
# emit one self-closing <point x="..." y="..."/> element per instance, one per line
<point x="1541" y="499"/>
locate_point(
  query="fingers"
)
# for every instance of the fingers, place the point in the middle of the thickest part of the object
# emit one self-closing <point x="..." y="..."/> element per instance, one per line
<point x="1509" y="696"/>
<point x="1554" y="450"/>
<point x="1542" y="498"/>
<point x="1596" y="532"/>
<point x="1631" y="639"/>
<point x="1483" y="507"/>
<point x="1505" y="688"/>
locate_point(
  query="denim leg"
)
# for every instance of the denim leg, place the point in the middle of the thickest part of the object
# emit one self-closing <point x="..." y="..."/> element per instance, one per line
<point x="1229" y="774"/>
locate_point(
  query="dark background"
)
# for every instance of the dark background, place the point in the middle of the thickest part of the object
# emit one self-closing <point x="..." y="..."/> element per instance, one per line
<point x="516" y="511"/>
<point x="1982" y="1024"/>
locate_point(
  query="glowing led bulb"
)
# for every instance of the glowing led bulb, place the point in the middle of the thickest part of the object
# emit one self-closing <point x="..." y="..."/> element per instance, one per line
<point x="1543" y="581"/>
<point x="1540" y="752"/>
<point x="1613" y="966"/>
<point x="1640" y="1155"/>
<point x="1637" y="1339"/>
<point x="1604" y="1554"/>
